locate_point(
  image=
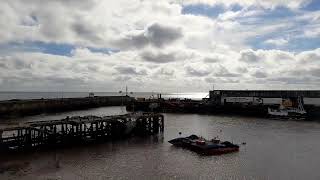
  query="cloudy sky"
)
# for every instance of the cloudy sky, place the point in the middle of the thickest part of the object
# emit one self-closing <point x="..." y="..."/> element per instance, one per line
<point x="163" y="45"/>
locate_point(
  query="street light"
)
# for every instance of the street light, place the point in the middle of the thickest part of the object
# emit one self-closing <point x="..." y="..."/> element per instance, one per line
<point x="121" y="93"/>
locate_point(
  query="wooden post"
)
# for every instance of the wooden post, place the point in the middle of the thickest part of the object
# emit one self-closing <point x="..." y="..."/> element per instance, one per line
<point x="162" y="123"/>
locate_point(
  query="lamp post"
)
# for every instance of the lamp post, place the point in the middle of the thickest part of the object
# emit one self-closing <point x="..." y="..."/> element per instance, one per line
<point x="132" y="102"/>
<point x="126" y="95"/>
<point x="121" y="93"/>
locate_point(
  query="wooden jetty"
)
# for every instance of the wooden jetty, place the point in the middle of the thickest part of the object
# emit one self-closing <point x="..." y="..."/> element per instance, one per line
<point x="77" y="130"/>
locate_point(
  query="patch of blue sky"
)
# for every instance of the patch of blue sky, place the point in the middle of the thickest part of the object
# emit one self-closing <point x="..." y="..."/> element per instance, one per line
<point x="53" y="48"/>
<point x="203" y="10"/>
<point x="14" y="47"/>
<point x="304" y="44"/>
<point x="268" y="16"/>
<point x="103" y="50"/>
<point x="49" y="48"/>
<point x="294" y="44"/>
<point x="314" y="5"/>
<point x="278" y="12"/>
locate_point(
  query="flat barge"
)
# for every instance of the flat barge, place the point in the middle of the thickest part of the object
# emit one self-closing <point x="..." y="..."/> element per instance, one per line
<point x="205" y="147"/>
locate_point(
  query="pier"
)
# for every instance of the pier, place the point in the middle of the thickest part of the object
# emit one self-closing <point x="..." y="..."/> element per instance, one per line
<point x="239" y="102"/>
<point x="78" y="130"/>
<point x="16" y="107"/>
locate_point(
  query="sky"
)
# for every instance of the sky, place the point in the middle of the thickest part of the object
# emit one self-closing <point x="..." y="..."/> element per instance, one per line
<point x="162" y="46"/>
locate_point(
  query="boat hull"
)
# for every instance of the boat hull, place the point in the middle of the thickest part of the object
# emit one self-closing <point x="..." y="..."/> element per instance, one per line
<point x="205" y="147"/>
<point x="212" y="151"/>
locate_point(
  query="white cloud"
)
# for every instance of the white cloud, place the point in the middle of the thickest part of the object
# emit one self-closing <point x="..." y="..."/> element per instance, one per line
<point x="312" y="33"/>
<point x="158" y="46"/>
<point x="262" y="3"/>
<point x="277" y="42"/>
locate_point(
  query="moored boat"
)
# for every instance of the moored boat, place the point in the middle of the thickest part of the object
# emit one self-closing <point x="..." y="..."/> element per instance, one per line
<point x="289" y="109"/>
<point x="203" y="146"/>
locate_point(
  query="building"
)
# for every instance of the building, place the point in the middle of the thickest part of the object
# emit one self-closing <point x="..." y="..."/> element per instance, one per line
<point x="265" y="97"/>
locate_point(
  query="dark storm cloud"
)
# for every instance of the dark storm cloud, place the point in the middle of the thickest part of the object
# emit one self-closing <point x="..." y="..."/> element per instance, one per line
<point x="158" y="57"/>
<point x="130" y="70"/>
<point x="303" y="72"/>
<point x="219" y="80"/>
<point x="193" y="71"/>
<point x="122" y="78"/>
<point x="260" y="74"/>
<point x="315" y="72"/>
<point x="2" y="65"/>
<point x="84" y="31"/>
<point x="160" y="35"/>
<point x="242" y="69"/>
<point x="210" y="60"/>
<point x="294" y="80"/>
<point x="249" y="56"/>
<point x="166" y="71"/>
<point x="82" y="4"/>
<point x="156" y="35"/>
<point x="221" y="71"/>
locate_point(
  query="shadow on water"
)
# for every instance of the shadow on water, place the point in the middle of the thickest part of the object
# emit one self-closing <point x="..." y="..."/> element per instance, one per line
<point x="19" y="162"/>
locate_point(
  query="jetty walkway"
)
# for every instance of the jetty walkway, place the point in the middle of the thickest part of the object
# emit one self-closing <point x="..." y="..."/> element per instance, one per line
<point x="77" y="130"/>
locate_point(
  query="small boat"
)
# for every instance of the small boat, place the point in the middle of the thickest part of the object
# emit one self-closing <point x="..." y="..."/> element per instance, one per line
<point x="203" y="146"/>
<point x="288" y="110"/>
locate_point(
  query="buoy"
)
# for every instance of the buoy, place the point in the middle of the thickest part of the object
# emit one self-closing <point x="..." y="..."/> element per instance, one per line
<point x="244" y="143"/>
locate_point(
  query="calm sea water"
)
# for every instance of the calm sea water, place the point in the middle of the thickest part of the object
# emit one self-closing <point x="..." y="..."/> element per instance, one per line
<point x="39" y="95"/>
<point x="274" y="150"/>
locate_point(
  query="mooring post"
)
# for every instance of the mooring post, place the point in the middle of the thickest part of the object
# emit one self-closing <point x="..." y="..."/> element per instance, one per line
<point x="150" y="124"/>
<point x="144" y="123"/>
<point x="156" y="125"/>
<point x="1" y="132"/>
<point x="162" y="122"/>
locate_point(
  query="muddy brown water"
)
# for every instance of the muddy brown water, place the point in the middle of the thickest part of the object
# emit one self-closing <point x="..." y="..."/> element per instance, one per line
<point x="274" y="150"/>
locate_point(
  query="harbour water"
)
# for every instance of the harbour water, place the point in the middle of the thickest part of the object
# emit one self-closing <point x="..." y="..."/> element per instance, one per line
<point x="274" y="150"/>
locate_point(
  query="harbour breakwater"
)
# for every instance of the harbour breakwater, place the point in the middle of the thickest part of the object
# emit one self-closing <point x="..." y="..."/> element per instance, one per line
<point x="209" y="106"/>
<point x="14" y="108"/>
<point x="241" y="102"/>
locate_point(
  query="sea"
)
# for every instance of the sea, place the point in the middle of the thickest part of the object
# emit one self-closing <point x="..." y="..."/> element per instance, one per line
<point x="50" y="95"/>
<point x="274" y="149"/>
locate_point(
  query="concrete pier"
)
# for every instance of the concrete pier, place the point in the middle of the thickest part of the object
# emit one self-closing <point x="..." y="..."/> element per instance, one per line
<point x="242" y="102"/>
<point x="37" y="106"/>
<point x="78" y="130"/>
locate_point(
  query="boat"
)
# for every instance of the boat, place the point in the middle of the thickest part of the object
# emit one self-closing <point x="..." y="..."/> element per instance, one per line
<point x="203" y="146"/>
<point x="287" y="109"/>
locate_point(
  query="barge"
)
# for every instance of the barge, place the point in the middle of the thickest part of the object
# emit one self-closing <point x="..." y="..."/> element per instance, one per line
<point x="205" y="147"/>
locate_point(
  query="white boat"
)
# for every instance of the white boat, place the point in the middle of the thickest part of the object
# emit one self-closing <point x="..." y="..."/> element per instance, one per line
<point x="278" y="112"/>
<point x="285" y="111"/>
